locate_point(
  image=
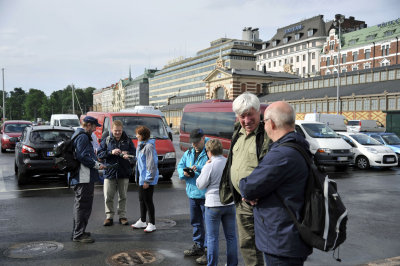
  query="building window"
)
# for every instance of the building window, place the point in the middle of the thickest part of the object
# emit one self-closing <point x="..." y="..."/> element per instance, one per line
<point x="328" y="61"/>
<point x="382" y="104"/>
<point x="274" y="43"/>
<point x="304" y="57"/>
<point x="292" y="49"/>
<point x="344" y="69"/>
<point x="285" y="40"/>
<point x="359" y="105"/>
<point x="374" y="104"/>
<point x="376" y="76"/>
<point x="388" y="33"/>
<point x="314" y="43"/>
<point x="344" y="58"/>
<point x="297" y="36"/>
<point x="362" y="78"/>
<point x="243" y="87"/>
<point x="274" y="63"/>
<point x="324" y="107"/>
<point x="332" y="82"/>
<point x="354" y="68"/>
<point x="335" y="60"/>
<point x="269" y="65"/>
<point x="367" y="53"/>
<point x="312" y="55"/>
<point x="313" y="68"/>
<point x="304" y="70"/>
<point x="367" y="65"/>
<point x="385" y="50"/>
<point x="366" y="104"/>
<point x="302" y="108"/>
<point x="351" y="105"/>
<point x="297" y="58"/>
<point x="349" y="80"/>
<point x="310" y="33"/>
<point x="391" y="104"/>
<point x="280" y="62"/>
<point x="369" y="77"/>
<point x="331" y="106"/>
<point x="355" y="56"/>
<point x="291" y="60"/>
<point x="383" y="76"/>
<point x="344" y="105"/>
<point x="331" y="45"/>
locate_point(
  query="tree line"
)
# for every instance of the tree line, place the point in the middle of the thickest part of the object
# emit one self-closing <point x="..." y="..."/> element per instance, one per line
<point x="21" y="105"/>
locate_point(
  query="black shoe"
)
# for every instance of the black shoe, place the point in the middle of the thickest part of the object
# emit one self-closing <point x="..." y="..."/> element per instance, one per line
<point x="83" y="239"/>
<point x="195" y="250"/>
<point x="84" y="233"/>
<point x="108" y="222"/>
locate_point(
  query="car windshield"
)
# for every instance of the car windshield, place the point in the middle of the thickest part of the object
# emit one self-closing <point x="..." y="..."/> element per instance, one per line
<point x="155" y="124"/>
<point x="391" y="139"/>
<point x="50" y="136"/>
<point x="320" y="131"/>
<point x="365" y="140"/>
<point x="69" y="123"/>
<point x="15" y="128"/>
<point x="353" y="123"/>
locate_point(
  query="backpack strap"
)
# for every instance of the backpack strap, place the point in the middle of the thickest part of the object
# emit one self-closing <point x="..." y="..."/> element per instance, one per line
<point x="300" y="149"/>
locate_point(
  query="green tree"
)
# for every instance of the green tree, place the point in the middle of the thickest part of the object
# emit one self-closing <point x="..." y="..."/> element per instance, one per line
<point x="35" y="105"/>
<point x="15" y="104"/>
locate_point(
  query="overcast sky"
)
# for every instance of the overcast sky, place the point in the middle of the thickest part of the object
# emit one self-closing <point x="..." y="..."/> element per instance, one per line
<point x="49" y="44"/>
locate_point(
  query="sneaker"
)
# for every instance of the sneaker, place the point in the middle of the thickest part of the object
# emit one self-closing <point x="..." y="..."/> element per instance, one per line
<point x="123" y="221"/>
<point x="196" y="250"/>
<point x="83" y="239"/>
<point x="139" y="224"/>
<point x="150" y="228"/>
<point x="108" y="222"/>
<point x="202" y="260"/>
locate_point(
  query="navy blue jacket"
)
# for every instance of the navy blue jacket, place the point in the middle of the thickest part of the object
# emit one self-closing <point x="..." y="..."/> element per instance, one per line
<point x="124" y="169"/>
<point x="282" y="171"/>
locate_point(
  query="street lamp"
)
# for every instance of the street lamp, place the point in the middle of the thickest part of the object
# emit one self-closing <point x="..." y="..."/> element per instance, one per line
<point x="339" y="19"/>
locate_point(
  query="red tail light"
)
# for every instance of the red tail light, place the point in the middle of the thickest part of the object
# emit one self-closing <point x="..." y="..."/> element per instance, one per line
<point x="27" y="149"/>
<point x="359" y="123"/>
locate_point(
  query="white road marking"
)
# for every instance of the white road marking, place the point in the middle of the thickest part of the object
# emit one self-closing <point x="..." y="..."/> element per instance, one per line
<point x="2" y="183"/>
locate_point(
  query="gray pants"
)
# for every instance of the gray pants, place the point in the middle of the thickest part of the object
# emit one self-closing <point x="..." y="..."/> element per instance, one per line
<point x="112" y="186"/>
<point x="82" y="207"/>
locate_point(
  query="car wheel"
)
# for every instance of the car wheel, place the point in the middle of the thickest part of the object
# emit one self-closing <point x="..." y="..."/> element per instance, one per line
<point x="167" y="176"/>
<point x="362" y="162"/>
<point x="15" y="168"/>
<point x="3" y="150"/>
<point x="22" y="176"/>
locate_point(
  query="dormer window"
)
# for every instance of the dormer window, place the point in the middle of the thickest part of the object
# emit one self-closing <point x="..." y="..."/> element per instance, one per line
<point x="310" y="32"/>
<point x="285" y="40"/>
<point x="353" y="41"/>
<point x="297" y="36"/>
<point x="388" y="33"/>
<point x="370" y="37"/>
<point x="275" y="43"/>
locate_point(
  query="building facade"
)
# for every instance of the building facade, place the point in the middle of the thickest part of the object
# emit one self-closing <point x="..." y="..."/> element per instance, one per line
<point x="297" y="48"/>
<point x="367" y="48"/>
<point x="97" y="100"/>
<point x="185" y="76"/>
<point x="107" y="97"/>
<point x="137" y="91"/>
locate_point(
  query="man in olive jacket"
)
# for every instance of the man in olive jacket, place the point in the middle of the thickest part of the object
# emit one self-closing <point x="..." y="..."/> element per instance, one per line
<point x="248" y="147"/>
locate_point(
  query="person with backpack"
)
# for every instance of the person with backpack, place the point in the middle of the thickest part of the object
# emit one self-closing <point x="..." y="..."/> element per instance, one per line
<point x="281" y="177"/>
<point x="83" y="179"/>
<point x="116" y="149"/>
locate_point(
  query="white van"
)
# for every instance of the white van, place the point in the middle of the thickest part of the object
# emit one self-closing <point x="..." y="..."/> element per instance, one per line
<point x="365" y="126"/>
<point x="65" y="120"/>
<point x="148" y="109"/>
<point x="327" y="147"/>
<point x="334" y="121"/>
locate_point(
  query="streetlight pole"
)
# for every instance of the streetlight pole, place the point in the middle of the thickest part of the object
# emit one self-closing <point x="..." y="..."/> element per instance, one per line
<point x="4" y="105"/>
<point x="339" y="19"/>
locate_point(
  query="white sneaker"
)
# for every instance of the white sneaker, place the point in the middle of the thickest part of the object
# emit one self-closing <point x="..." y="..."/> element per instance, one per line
<point x="150" y="228"/>
<point x="139" y="224"/>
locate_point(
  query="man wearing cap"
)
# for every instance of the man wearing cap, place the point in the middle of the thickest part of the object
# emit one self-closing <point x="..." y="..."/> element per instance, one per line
<point x="195" y="158"/>
<point x="83" y="180"/>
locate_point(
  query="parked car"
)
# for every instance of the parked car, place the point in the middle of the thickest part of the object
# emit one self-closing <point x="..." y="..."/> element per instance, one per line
<point x="368" y="151"/>
<point x="328" y="148"/>
<point x="34" y="153"/>
<point x="365" y="126"/>
<point x="10" y="131"/>
<point x="390" y="140"/>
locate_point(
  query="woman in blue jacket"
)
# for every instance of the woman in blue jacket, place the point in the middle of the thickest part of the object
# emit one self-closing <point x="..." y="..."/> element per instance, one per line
<point x="146" y="175"/>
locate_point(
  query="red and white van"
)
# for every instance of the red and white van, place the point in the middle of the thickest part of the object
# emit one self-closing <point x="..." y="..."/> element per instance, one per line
<point x="164" y="146"/>
<point x="215" y="117"/>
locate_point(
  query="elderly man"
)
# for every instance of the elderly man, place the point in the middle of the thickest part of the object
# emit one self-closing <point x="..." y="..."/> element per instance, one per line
<point x="84" y="179"/>
<point x="281" y="176"/>
<point x="249" y="145"/>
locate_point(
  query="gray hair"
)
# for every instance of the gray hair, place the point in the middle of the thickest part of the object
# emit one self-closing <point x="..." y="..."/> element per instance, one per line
<point x="245" y="102"/>
<point x="282" y="115"/>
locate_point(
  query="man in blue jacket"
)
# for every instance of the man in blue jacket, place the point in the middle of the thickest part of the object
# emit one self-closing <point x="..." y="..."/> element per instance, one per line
<point x="83" y="180"/>
<point x="195" y="158"/>
<point x="116" y="149"/>
<point x="281" y="175"/>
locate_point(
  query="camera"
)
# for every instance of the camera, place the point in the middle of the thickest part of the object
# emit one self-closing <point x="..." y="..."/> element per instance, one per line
<point x="189" y="171"/>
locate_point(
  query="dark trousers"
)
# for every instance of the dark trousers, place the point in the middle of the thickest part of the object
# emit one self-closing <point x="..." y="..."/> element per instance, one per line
<point x="82" y="207"/>
<point x="146" y="204"/>
<point x="273" y="260"/>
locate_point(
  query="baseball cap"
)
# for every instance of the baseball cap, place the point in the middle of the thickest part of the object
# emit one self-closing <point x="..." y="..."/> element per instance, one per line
<point x="196" y="135"/>
<point x="91" y="120"/>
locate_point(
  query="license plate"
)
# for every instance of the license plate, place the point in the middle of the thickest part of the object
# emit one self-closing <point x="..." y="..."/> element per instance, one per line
<point x="389" y="160"/>
<point x="342" y="159"/>
<point x="50" y="154"/>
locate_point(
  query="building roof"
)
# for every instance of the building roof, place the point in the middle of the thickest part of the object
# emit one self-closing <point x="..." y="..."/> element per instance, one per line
<point x="372" y="34"/>
<point x="358" y="89"/>
<point x="256" y="73"/>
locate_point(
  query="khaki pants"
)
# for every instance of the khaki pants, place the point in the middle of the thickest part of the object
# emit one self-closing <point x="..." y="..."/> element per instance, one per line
<point x="111" y="186"/>
<point x="245" y="222"/>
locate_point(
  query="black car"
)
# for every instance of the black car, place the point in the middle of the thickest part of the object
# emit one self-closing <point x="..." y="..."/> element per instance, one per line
<point x="34" y="153"/>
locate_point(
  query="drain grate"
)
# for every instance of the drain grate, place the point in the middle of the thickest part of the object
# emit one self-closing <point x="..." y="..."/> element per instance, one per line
<point x="33" y="249"/>
<point x="135" y="257"/>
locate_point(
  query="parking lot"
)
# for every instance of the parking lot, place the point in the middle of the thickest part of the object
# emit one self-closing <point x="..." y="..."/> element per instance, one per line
<point x="41" y="212"/>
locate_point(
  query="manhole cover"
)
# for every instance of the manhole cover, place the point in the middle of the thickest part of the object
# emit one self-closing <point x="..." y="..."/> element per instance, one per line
<point x="33" y="249"/>
<point x="165" y="223"/>
<point x="386" y="262"/>
<point x="135" y="257"/>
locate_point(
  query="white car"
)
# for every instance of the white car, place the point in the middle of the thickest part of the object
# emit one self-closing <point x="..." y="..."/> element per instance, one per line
<point x="368" y="151"/>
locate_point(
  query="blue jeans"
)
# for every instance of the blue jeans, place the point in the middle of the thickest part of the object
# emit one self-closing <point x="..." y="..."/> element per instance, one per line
<point x="214" y="216"/>
<point x="197" y="221"/>
<point x="273" y="260"/>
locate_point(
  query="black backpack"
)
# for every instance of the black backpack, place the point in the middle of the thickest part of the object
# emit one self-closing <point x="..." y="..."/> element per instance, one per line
<point x="324" y="214"/>
<point x="64" y="153"/>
